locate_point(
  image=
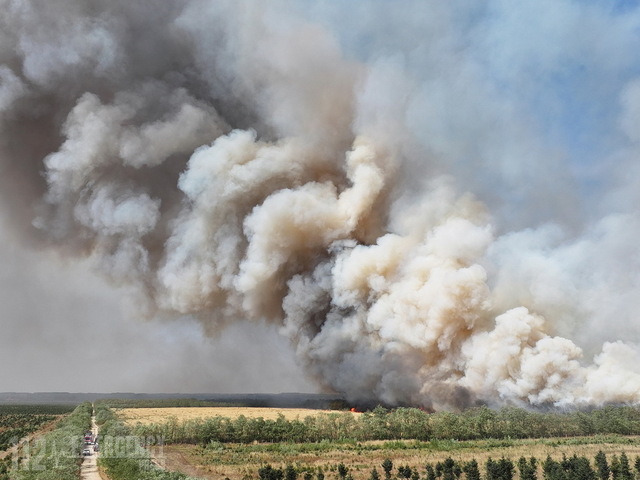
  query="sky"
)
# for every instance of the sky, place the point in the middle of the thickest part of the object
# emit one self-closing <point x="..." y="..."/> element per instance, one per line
<point x="365" y="197"/>
<point x="67" y="330"/>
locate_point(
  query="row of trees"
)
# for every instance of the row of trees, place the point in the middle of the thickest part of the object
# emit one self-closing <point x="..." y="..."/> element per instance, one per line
<point x="398" y="424"/>
<point x="5" y="467"/>
<point x="17" y="421"/>
<point x="55" y="454"/>
<point x="569" y="468"/>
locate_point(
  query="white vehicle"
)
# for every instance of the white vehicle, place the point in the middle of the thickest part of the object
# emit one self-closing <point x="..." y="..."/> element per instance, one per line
<point x="86" y="452"/>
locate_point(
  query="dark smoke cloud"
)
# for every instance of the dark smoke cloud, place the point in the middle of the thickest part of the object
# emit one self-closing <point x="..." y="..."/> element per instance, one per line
<point x="423" y="197"/>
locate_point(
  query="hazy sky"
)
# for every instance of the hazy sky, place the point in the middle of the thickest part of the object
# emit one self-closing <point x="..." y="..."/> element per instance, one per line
<point x="63" y="329"/>
<point x="419" y="202"/>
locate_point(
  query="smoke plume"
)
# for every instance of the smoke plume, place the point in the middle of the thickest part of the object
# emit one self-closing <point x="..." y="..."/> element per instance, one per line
<point x="434" y="202"/>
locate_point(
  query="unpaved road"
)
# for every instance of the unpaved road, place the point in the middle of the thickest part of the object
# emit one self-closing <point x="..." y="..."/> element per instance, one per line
<point x="89" y="467"/>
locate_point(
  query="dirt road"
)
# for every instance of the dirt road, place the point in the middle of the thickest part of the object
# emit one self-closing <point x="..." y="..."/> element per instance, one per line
<point x="89" y="467"/>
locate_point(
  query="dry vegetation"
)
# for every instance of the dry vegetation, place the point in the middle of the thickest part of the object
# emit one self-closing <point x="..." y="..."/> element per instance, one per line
<point x="132" y="416"/>
<point x="243" y="461"/>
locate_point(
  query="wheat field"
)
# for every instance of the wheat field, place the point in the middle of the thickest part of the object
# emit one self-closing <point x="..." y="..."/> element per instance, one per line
<point x="145" y="416"/>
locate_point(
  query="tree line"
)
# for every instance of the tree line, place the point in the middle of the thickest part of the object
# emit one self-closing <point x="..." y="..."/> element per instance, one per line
<point x="17" y="421"/>
<point x="56" y="454"/>
<point x="399" y="424"/>
<point x="568" y="468"/>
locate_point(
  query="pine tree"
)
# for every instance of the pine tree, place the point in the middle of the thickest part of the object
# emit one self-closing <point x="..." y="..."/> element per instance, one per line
<point x="290" y="473"/>
<point x="582" y="469"/>
<point x="528" y="468"/>
<point x="602" y="466"/>
<point x="471" y="470"/>
<point x="625" y="468"/>
<point x="448" y="469"/>
<point x="616" y="468"/>
<point x="552" y="470"/>
<point x="387" y="466"/>
<point x="491" y="467"/>
<point x="431" y="473"/>
<point x="269" y="473"/>
<point x="405" y="471"/>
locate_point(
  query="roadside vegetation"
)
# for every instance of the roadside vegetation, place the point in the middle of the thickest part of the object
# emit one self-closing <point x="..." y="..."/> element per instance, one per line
<point x="124" y="456"/>
<point x="56" y="454"/>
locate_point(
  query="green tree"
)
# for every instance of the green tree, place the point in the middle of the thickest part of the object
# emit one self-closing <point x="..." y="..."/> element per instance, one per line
<point x="448" y="469"/>
<point x="602" y="466"/>
<point x="405" y="471"/>
<point x="552" y="470"/>
<point x="342" y="471"/>
<point x="625" y="468"/>
<point x="616" y="468"/>
<point x="502" y="469"/>
<point x="374" y="474"/>
<point x="471" y="470"/>
<point x="431" y="473"/>
<point x="528" y="468"/>
<point x="290" y="473"/>
<point x="269" y="473"/>
<point x="581" y="469"/>
<point x="387" y="466"/>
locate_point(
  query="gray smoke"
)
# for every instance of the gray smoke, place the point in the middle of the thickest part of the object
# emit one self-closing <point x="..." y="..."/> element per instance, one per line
<point x="424" y="198"/>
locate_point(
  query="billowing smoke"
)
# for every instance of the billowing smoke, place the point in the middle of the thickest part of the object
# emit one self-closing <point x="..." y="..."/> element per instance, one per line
<point x="435" y="202"/>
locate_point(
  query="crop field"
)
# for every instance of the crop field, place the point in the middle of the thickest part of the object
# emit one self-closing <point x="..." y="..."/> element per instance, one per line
<point x="17" y="421"/>
<point x="133" y="416"/>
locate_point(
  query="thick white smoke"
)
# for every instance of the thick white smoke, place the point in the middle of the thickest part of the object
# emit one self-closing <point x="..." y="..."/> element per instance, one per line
<point x="402" y="189"/>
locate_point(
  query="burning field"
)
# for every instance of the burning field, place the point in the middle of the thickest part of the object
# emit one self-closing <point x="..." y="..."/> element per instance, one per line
<point x="435" y="203"/>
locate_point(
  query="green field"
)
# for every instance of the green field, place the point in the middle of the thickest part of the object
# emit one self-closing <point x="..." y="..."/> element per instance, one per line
<point x="17" y="421"/>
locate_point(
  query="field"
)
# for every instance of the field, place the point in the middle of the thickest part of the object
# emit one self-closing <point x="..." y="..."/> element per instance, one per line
<point x="212" y="459"/>
<point x="235" y="461"/>
<point x="20" y="421"/>
<point x="17" y="421"/>
<point x="132" y="416"/>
